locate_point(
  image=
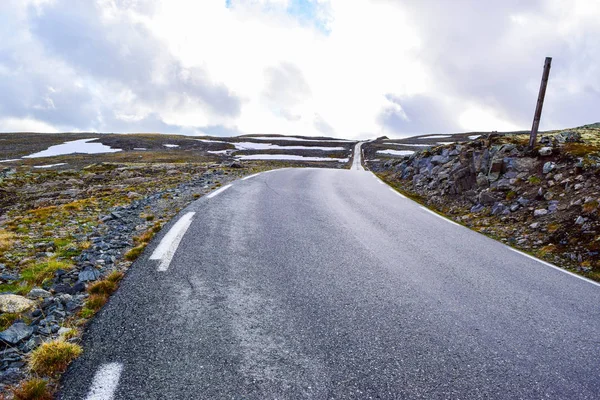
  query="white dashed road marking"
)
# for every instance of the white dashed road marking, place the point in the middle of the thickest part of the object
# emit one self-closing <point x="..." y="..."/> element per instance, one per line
<point x="168" y="245"/>
<point x="105" y="382"/>
<point x="217" y="192"/>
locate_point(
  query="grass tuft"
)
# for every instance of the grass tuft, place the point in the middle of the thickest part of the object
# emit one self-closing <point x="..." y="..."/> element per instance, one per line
<point x="553" y="227"/>
<point x="7" y="319"/>
<point x="32" y="389"/>
<point x="157" y="227"/>
<point x="53" y="358"/>
<point x="590" y="206"/>
<point x="95" y="302"/>
<point x="134" y="253"/>
<point x="105" y="287"/>
<point x="6" y="240"/>
<point x="115" y="276"/>
<point x="145" y="237"/>
<point x="37" y="273"/>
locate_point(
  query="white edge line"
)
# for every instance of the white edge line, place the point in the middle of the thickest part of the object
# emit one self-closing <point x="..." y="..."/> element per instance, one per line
<point x="583" y="278"/>
<point x="105" y="382"/>
<point x="218" y="191"/>
<point x="439" y="216"/>
<point x="251" y="176"/>
<point x="168" y="245"/>
<point x="393" y="190"/>
<point x="398" y="193"/>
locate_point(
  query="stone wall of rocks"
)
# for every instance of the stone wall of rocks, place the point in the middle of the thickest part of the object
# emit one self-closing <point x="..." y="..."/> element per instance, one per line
<point x="530" y="199"/>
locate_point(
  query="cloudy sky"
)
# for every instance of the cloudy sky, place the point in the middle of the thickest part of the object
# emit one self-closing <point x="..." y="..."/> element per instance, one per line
<point x="344" y="68"/>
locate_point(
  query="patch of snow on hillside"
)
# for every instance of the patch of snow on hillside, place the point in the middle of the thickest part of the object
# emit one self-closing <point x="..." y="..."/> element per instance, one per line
<point x="289" y="157"/>
<point x="411" y="144"/>
<point x="210" y="141"/>
<point x="74" y="147"/>
<point x="297" y="139"/>
<point x="434" y="137"/>
<point x="49" y="165"/>
<point x="396" y="152"/>
<point x="269" y="146"/>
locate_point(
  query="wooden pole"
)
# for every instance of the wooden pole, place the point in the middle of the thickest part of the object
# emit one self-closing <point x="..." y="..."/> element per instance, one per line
<point x="540" y="104"/>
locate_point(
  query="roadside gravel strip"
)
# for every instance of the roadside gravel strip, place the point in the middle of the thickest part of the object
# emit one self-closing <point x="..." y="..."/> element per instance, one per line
<point x="317" y="283"/>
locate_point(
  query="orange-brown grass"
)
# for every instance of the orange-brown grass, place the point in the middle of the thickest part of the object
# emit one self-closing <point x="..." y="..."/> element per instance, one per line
<point x="53" y="358"/>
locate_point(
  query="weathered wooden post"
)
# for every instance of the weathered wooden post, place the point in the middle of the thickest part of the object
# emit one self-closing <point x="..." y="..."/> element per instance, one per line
<point x="540" y="104"/>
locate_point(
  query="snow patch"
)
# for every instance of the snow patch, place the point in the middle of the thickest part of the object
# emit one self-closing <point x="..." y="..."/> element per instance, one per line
<point x="411" y="144"/>
<point x="269" y="146"/>
<point x="289" y="157"/>
<point x="210" y="141"/>
<point x="49" y="165"/>
<point x="396" y="152"/>
<point x="74" y="147"/>
<point x="297" y="139"/>
<point x="434" y="137"/>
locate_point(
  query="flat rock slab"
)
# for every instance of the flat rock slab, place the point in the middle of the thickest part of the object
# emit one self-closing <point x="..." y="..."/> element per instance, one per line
<point x="12" y="303"/>
<point x="17" y="332"/>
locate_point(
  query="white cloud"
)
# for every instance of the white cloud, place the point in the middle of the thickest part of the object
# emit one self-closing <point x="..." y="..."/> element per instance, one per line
<point x="477" y="118"/>
<point x="25" y="125"/>
<point x="356" y="69"/>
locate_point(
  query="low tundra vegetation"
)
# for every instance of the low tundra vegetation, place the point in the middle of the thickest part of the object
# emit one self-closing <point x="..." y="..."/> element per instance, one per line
<point x="52" y="358"/>
<point x="33" y="389"/>
<point x="50" y="219"/>
<point x="99" y="292"/>
<point x="6" y="240"/>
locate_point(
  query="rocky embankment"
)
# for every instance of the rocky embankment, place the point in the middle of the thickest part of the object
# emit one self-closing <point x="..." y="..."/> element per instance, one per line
<point x="65" y="239"/>
<point x="545" y="202"/>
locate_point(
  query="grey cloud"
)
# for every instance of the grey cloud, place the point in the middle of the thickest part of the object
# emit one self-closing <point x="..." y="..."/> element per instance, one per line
<point x="285" y="85"/>
<point x="67" y="66"/>
<point x="322" y="126"/>
<point x="419" y="114"/>
<point x="127" y="53"/>
<point x="474" y="52"/>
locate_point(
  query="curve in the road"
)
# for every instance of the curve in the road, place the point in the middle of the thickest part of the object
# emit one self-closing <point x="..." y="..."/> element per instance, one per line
<point x="316" y="283"/>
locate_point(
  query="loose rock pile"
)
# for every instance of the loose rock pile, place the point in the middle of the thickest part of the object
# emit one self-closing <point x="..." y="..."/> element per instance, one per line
<point x="45" y="310"/>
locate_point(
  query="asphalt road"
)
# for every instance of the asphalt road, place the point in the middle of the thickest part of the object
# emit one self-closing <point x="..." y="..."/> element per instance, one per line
<point x="326" y="284"/>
